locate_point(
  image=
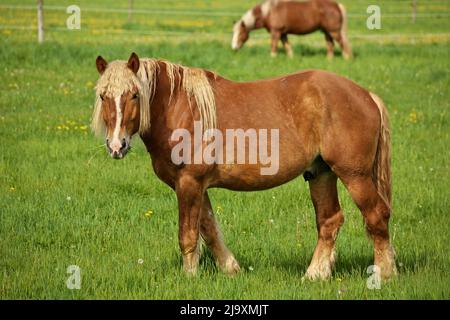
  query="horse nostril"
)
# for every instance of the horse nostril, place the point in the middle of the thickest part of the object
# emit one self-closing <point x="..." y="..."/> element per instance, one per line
<point x="124" y="144"/>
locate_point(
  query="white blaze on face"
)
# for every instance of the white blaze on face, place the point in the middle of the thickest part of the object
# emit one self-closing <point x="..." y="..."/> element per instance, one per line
<point x="249" y="21"/>
<point x="116" y="144"/>
<point x="236" y="31"/>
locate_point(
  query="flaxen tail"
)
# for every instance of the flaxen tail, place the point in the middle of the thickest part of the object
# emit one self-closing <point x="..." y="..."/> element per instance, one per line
<point x="382" y="164"/>
<point x="346" y="48"/>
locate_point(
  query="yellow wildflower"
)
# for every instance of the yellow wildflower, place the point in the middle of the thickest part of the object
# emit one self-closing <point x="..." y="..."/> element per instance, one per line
<point x="149" y="213"/>
<point x="413" y="117"/>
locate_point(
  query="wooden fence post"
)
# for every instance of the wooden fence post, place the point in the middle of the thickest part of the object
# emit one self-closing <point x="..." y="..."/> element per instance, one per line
<point x="130" y="11"/>
<point x="40" y="22"/>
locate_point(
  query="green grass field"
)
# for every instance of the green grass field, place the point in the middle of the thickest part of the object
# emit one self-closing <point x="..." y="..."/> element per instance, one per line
<point x="63" y="201"/>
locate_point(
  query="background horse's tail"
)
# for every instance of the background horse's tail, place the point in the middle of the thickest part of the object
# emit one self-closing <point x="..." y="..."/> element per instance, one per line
<point x="382" y="163"/>
<point x="346" y="48"/>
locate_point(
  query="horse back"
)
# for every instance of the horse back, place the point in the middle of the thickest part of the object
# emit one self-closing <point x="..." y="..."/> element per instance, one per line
<point x="304" y="17"/>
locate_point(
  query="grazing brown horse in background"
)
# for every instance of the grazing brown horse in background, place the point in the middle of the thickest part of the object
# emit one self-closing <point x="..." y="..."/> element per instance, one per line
<point x="328" y="126"/>
<point x="281" y="17"/>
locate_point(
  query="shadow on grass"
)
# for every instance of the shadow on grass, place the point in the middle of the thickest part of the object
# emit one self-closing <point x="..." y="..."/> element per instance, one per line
<point x="307" y="51"/>
<point x="141" y="190"/>
<point x="347" y="265"/>
<point x="355" y="265"/>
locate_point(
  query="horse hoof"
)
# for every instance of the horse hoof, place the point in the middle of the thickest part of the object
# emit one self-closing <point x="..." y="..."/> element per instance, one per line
<point x="231" y="266"/>
<point x="387" y="275"/>
<point x="346" y="56"/>
<point x="190" y="272"/>
<point x="316" y="277"/>
<point x="316" y="273"/>
<point x="386" y="263"/>
<point x="388" y="270"/>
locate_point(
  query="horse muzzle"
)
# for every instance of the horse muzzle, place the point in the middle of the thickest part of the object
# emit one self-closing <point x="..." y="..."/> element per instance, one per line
<point x="236" y="47"/>
<point x="118" y="149"/>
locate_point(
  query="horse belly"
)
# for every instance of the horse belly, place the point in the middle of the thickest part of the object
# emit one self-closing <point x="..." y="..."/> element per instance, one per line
<point x="289" y="163"/>
<point x="243" y="178"/>
<point x="303" y="29"/>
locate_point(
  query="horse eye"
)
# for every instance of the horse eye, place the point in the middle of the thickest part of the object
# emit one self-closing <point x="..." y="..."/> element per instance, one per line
<point x="135" y="96"/>
<point x="101" y="97"/>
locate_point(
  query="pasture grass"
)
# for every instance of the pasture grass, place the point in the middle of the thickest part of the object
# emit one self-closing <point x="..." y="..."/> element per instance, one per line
<point x="64" y="202"/>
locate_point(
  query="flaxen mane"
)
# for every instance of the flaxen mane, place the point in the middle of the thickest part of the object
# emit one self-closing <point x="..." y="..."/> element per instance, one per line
<point x="249" y="19"/>
<point x="118" y="78"/>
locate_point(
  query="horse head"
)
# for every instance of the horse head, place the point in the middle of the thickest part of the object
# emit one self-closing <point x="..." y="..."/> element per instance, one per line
<point x="240" y="35"/>
<point x="120" y="103"/>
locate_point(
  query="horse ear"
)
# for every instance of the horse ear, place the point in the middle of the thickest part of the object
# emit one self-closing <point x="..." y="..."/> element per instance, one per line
<point x="133" y="62"/>
<point x="101" y="64"/>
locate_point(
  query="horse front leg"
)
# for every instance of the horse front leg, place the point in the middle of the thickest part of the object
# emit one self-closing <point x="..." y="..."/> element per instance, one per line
<point x="212" y="235"/>
<point x="275" y="39"/>
<point x="190" y="200"/>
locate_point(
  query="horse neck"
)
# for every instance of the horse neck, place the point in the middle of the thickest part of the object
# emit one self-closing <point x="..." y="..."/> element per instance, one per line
<point x="258" y="14"/>
<point x="176" y="95"/>
<point x="166" y="90"/>
<point x="171" y="99"/>
<point x="249" y="18"/>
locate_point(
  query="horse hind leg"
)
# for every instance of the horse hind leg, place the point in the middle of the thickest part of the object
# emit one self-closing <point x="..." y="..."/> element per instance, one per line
<point x="212" y="236"/>
<point x="329" y="219"/>
<point x="343" y="43"/>
<point x="345" y="46"/>
<point x="330" y="46"/>
<point x="376" y="214"/>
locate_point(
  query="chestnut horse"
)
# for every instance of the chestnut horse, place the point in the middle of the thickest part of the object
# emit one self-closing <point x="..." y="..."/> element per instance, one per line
<point x="329" y="128"/>
<point x="281" y="17"/>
